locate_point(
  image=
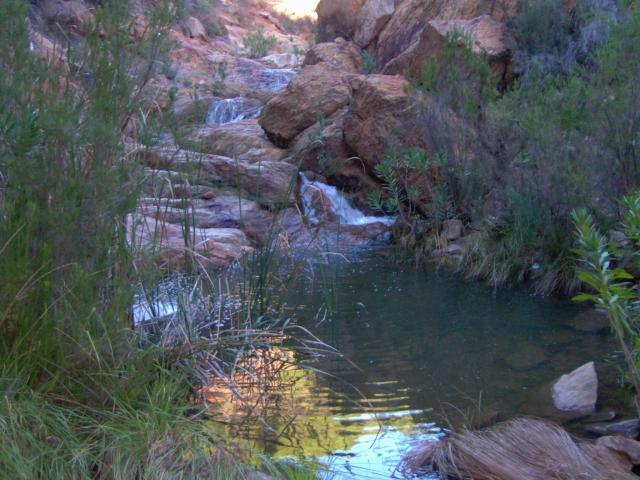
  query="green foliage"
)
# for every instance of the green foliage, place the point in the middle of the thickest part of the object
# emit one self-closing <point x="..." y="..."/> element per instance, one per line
<point x="458" y="76"/>
<point x="369" y="64"/>
<point x="258" y="44"/>
<point x="612" y="288"/>
<point x="541" y="26"/>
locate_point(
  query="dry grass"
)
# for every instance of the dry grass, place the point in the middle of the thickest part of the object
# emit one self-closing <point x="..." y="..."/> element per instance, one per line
<point x="519" y="449"/>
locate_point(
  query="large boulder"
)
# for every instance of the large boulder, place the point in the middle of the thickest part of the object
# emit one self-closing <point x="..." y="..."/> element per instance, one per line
<point x="340" y="54"/>
<point x="577" y="391"/>
<point x="384" y="115"/>
<point x="271" y="184"/>
<point x="411" y="17"/>
<point x="244" y="140"/>
<point x="319" y="90"/>
<point x="371" y="19"/>
<point x="486" y="34"/>
<point x="337" y="18"/>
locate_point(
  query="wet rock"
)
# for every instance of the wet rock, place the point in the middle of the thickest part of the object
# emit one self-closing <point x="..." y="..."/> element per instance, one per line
<point x="244" y="140"/>
<point x="337" y="18"/>
<point x="623" y="445"/>
<point x="271" y="184"/>
<point x="245" y="77"/>
<point x="340" y="54"/>
<point x="218" y="247"/>
<point x="229" y="110"/>
<point x="282" y="60"/>
<point x="526" y="357"/>
<point x="452" y="230"/>
<point x="600" y="417"/>
<point x="591" y="321"/>
<point x="224" y="210"/>
<point x="577" y="391"/>
<point x="371" y="19"/>
<point x="319" y="90"/>
<point x="629" y="428"/>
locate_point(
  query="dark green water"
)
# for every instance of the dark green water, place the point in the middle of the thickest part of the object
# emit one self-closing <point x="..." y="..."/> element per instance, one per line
<point x="428" y="349"/>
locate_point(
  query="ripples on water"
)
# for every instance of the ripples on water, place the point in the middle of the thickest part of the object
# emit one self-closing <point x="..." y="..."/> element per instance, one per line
<point x="426" y="348"/>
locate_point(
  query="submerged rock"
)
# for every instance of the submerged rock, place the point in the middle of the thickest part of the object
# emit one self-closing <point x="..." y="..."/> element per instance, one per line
<point x="526" y="357"/>
<point x="630" y="428"/>
<point x="577" y="391"/>
<point x="591" y="321"/>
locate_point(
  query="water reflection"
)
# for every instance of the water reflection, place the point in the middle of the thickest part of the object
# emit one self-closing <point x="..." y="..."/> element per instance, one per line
<point x="424" y="352"/>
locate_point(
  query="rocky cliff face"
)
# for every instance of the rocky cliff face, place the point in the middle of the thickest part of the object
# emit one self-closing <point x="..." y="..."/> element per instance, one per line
<point x="255" y="102"/>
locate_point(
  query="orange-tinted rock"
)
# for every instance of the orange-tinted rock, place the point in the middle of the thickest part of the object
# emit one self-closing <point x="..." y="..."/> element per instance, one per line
<point x="319" y="90"/>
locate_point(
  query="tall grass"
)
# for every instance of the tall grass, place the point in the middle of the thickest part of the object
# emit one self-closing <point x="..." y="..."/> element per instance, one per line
<point x="82" y="395"/>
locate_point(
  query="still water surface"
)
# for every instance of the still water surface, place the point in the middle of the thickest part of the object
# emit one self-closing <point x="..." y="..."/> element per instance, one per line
<point x="421" y="351"/>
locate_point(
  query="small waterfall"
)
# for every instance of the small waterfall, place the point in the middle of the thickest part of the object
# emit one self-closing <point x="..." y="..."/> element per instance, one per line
<point x="231" y="110"/>
<point x="276" y="79"/>
<point x="311" y="192"/>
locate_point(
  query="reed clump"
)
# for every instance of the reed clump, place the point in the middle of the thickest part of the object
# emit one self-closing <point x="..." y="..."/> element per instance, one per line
<point x="519" y="449"/>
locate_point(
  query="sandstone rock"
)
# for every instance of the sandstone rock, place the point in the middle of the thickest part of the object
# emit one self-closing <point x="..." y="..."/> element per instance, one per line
<point x="340" y="54"/>
<point x="242" y="77"/>
<point x="244" y="140"/>
<point x="452" y="229"/>
<point x="411" y="16"/>
<point x="577" y="391"/>
<point x="591" y="321"/>
<point x="370" y="20"/>
<point x="337" y="18"/>
<point x="193" y="28"/>
<point x="224" y="210"/>
<point x="383" y="116"/>
<point x="487" y="36"/>
<point x="320" y="146"/>
<point x="318" y="90"/>
<point x="218" y="247"/>
<point x="271" y="183"/>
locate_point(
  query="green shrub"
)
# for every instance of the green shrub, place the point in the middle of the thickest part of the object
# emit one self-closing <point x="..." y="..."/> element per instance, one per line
<point x="258" y="44"/>
<point x="610" y="287"/>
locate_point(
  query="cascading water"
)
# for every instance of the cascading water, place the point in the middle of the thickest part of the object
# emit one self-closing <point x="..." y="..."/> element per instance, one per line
<point x="276" y="78"/>
<point x="231" y="110"/>
<point x="337" y="203"/>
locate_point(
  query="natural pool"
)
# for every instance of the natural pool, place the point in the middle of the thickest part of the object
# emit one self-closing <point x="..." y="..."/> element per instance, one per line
<point x="421" y="351"/>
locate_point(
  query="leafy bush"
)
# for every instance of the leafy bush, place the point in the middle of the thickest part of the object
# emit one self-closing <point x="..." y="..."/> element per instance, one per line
<point x="458" y="76"/>
<point x="612" y="288"/>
